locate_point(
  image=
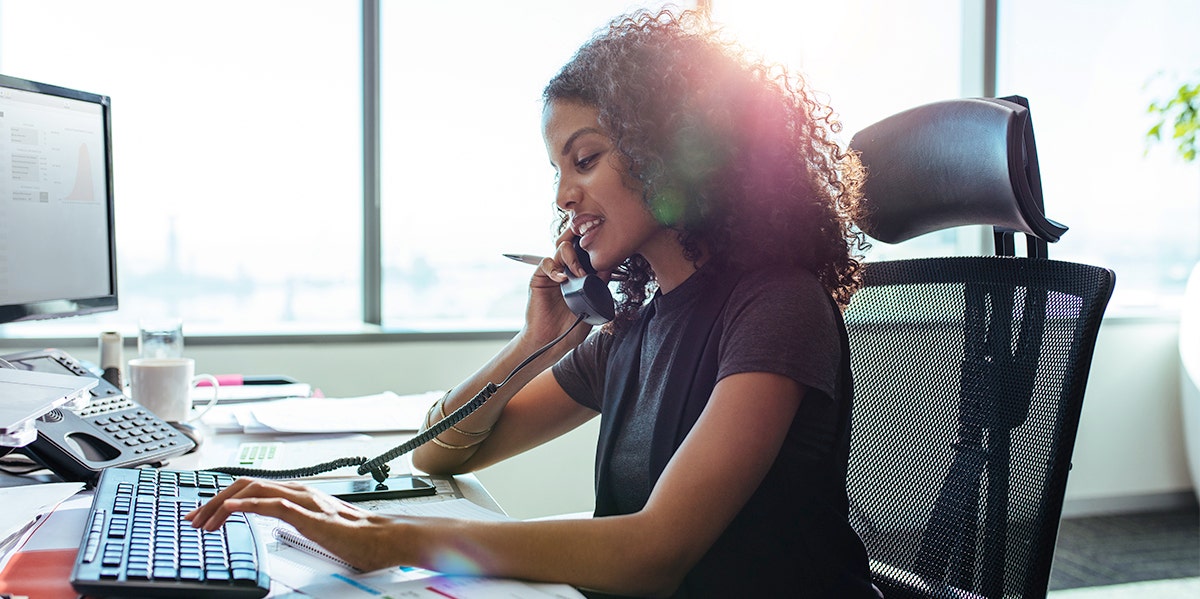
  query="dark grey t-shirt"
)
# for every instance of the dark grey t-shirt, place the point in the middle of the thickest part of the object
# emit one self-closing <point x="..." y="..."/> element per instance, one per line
<point x="780" y="322"/>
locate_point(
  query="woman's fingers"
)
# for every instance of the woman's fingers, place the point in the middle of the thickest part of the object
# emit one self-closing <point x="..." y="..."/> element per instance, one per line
<point x="565" y="255"/>
<point x="568" y="258"/>
<point x="275" y="507"/>
<point x="234" y="498"/>
<point x="330" y="522"/>
<point x="203" y="513"/>
<point x="551" y="270"/>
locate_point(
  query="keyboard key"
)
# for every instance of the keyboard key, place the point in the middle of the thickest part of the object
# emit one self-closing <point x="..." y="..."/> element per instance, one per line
<point x="165" y="572"/>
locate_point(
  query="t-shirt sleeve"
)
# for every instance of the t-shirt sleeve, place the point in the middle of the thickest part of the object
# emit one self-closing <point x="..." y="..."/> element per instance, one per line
<point x="782" y="322"/>
<point x="581" y="371"/>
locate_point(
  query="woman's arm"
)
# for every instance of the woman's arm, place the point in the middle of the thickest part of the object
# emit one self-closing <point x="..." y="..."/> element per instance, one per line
<point x="528" y="410"/>
<point x="706" y="483"/>
<point x="540" y="410"/>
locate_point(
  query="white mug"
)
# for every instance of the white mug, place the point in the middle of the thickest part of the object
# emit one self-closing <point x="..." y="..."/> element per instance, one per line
<point x="164" y="386"/>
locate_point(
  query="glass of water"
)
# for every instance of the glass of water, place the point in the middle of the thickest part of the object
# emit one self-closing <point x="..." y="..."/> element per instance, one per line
<point x="160" y="338"/>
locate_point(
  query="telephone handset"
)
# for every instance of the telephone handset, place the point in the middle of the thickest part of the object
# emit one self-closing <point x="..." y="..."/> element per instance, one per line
<point x="588" y="296"/>
<point x="110" y="431"/>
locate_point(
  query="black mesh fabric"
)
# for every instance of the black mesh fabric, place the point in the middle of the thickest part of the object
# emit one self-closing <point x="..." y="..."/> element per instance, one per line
<point x="969" y="375"/>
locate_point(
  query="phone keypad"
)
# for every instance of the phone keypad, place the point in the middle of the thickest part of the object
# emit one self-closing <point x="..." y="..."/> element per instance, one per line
<point x="103" y="406"/>
<point x="139" y="430"/>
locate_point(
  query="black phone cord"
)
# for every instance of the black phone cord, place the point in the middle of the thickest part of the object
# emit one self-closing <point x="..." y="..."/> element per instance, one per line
<point x="378" y="466"/>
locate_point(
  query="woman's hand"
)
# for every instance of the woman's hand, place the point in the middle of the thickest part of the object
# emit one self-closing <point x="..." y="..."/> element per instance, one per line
<point x="547" y="315"/>
<point x="359" y="537"/>
<point x="543" y="410"/>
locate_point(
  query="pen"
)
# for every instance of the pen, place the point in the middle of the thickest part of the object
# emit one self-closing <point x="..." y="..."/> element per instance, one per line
<point x="526" y="258"/>
<point x="536" y="260"/>
<point x="238" y="379"/>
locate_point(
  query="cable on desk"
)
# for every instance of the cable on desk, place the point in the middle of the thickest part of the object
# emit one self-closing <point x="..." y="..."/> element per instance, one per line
<point x="378" y="466"/>
<point x="17" y="464"/>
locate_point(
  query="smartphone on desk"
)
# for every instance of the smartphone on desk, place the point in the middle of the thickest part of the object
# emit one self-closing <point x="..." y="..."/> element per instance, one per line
<point x="364" y="489"/>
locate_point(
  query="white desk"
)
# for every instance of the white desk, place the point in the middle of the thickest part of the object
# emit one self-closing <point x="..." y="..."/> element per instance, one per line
<point x="220" y="450"/>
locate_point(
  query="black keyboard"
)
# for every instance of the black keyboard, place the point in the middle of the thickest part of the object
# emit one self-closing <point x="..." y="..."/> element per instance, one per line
<point x="138" y="544"/>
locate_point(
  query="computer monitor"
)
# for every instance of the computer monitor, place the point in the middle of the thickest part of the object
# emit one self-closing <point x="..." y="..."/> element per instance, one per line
<point x="57" y="241"/>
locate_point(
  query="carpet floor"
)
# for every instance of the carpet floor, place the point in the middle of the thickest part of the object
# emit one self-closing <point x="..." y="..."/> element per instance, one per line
<point x="1176" y="588"/>
<point x="1124" y="548"/>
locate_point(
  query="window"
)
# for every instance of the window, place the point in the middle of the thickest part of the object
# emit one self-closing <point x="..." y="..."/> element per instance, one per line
<point x="465" y="175"/>
<point x="871" y="59"/>
<point x="1090" y="74"/>
<point x="238" y="139"/>
<point x="237" y="152"/>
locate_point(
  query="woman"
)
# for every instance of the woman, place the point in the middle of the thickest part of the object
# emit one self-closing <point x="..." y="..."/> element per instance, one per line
<point x="708" y="184"/>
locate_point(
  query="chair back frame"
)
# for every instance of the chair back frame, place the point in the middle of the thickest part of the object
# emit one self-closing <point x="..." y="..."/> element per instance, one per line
<point x="1011" y="392"/>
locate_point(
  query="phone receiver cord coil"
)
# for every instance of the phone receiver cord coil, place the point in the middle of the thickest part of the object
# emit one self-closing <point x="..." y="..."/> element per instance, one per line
<point x="378" y="466"/>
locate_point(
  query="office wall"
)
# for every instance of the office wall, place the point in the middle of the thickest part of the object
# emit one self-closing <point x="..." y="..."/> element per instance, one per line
<point x="1130" y="451"/>
<point x="1129" y="454"/>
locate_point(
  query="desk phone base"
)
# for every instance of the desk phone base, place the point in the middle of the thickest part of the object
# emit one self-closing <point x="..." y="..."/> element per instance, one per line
<point x="111" y="431"/>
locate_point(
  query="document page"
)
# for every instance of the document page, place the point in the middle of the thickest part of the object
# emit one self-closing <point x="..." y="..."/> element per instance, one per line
<point x="24" y="506"/>
<point x="312" y="575"/>
<point x="370" y="413"/>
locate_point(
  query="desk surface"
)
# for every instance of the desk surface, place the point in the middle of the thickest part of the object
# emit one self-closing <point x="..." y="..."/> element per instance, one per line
<point x="221" y="450"/>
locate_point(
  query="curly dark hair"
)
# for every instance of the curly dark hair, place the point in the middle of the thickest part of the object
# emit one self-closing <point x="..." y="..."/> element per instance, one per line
<point x="734" y="154"/>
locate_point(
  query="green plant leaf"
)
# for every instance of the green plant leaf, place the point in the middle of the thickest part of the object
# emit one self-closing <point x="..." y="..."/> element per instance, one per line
<point x="1181" y="112"/>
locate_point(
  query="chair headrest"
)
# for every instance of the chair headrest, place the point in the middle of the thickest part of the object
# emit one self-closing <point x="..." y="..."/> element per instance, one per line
<point x="953" y="163"/>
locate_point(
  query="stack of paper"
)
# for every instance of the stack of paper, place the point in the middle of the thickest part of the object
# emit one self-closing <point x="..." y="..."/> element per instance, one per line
<point x="202" y="394"/>
<point x="42" y="525"/>
<point x="25" y="505"/>
<point x="382" y="412"/>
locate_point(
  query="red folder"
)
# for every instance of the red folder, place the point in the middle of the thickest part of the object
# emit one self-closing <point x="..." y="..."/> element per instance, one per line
<point x="44" y="574"/>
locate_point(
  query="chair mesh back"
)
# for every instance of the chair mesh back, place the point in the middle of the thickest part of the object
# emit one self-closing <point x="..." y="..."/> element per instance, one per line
<point x="969" y="376"/>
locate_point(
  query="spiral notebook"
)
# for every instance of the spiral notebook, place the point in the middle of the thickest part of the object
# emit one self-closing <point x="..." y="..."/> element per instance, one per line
<point x="292" y="538"/>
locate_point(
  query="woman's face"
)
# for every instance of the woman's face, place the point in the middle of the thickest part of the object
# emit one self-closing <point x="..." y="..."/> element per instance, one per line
<point x="594" y="187"/>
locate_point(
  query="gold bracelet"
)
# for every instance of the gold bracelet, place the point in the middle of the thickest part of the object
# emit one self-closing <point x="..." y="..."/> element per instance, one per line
<point x="441" y="403"/>
<point x="436" y="441"/>
<point x="429" y="413"/>
<point x="441" y="443"/>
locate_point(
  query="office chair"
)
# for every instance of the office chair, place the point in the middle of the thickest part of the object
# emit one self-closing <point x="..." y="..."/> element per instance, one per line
<point x="969" y="372"/>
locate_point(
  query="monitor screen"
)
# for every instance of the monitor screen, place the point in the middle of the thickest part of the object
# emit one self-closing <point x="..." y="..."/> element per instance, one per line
<point x="57" y="244"/>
